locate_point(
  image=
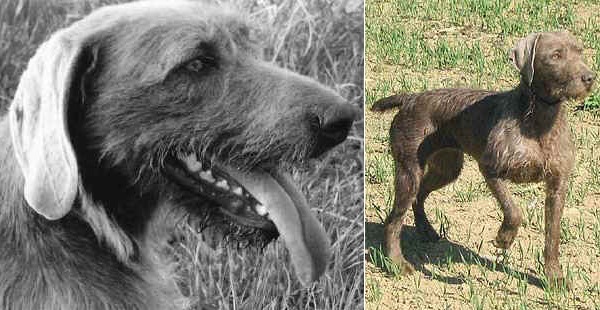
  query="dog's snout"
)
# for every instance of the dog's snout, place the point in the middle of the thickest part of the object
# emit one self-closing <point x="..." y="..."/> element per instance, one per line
<point x="334" y="125"/>
<point x="589" y="77"/>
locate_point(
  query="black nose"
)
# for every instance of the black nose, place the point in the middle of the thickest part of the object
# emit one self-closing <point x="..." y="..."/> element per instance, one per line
<point x="334" y="125"/>
<point x="589" y="77"/>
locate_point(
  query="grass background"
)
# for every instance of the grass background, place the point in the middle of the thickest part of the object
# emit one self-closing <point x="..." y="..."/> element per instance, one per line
<point x="412" y="46"/>
<point x="319" y="38"/>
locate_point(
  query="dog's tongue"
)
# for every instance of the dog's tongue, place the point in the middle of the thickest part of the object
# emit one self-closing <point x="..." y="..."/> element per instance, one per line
<point x="303" y="235"/>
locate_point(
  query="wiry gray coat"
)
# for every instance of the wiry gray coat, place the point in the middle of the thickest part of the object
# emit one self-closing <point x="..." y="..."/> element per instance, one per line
<point x="85" y="208"/>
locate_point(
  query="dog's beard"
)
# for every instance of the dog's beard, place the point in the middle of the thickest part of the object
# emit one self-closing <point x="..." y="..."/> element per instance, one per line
<point x="217" y="228"/>
<point x="570" y="90"/>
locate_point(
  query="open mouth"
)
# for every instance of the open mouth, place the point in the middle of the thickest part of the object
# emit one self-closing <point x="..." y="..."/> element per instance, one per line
<point x="213" y="182"/>
<point x="261" y="198"/>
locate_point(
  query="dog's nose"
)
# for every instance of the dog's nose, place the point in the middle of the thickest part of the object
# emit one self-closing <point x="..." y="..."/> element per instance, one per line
<point x="334" y="125"/>
<point x="589" y="77"/>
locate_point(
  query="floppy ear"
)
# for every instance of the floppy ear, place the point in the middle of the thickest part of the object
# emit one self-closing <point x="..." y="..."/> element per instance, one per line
<point x="38" y="124"/>
<point x="523" y="56"/>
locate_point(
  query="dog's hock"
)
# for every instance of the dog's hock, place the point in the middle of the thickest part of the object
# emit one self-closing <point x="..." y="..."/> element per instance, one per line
<point x="523" y="56"/>
<point x="38" y="124"/>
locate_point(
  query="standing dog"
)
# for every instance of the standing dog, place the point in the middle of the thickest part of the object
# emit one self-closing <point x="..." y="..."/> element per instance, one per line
<point x="519" y="135"/>
<point x="135" y="118"/>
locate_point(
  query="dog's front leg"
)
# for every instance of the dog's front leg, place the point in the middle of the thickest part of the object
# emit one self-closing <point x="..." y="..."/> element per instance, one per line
<point x="556" y="191"/>
<point x="512" y="214"/>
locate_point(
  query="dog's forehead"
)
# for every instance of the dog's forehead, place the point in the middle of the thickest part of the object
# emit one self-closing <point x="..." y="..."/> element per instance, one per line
<point x="551" y="41"/>
<point x="156" y="10"/>
<point x="187" y="21"/>
<point x="146" y="39"/>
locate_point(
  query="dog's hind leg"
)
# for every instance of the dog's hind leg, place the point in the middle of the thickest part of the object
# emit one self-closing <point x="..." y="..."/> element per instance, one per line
<point x="443" y="168"/>
<point x="407" y="178"/>
<point x="512" y="214"/>
<point x="406" y="135"/>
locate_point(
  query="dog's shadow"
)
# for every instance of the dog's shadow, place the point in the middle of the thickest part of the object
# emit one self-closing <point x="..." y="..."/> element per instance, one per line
<point x="419" y="253"/>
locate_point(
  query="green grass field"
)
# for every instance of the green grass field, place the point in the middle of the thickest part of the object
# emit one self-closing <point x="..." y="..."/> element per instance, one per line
<point x="319" y="38"/>
<point x="417" y="45"/>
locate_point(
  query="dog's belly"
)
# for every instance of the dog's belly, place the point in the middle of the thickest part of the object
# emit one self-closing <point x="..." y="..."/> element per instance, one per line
<point x="526" y="173"/>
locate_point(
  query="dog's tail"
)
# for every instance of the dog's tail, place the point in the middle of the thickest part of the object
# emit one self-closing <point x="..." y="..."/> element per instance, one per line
<point x="393" y="101"/>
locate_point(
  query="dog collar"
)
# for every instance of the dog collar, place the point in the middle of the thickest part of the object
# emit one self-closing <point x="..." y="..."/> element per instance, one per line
<point x="533" y="97"/>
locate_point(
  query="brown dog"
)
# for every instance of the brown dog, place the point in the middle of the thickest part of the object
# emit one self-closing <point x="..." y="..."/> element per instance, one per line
<point x="519" y="135"/>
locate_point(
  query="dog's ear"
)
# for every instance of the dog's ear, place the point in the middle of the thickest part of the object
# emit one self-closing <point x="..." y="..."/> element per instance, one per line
<point x="523" y="56"/>
<point x="39" y="129"/>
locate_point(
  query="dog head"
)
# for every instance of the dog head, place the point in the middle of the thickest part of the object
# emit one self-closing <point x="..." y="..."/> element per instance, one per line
<point x="155" y="103"/>
<point x="551" y="64"/>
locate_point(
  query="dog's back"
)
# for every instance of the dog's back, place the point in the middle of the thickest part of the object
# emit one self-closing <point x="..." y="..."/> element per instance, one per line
<point x="440" y="104"/>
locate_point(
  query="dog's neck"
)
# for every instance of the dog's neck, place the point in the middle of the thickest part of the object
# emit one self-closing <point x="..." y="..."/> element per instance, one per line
<point x="538" y="114"/>
<point x="30" y="245"/>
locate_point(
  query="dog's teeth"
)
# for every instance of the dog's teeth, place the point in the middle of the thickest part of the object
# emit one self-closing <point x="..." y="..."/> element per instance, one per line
<point x="207" y="176"/>
<point x="260" y="209"/>
<point x="237" y="190"/>
<point x="237" y="205"/>
<point x="222" y="184"/>
<point x="192" y="164"/>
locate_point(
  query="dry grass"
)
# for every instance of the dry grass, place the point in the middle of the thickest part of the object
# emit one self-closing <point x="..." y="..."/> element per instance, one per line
<point x="320" y="38"/>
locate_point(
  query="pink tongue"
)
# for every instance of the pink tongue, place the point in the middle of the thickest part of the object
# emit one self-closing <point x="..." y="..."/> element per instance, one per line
<point x="303" y="235"/>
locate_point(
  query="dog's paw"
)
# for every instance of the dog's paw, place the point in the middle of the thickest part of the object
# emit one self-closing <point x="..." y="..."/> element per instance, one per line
<point x="404" y="266"/>
<point x="505" y="238"/>
<point x="554" y="278"/>
<point x="558" y="283"/>
<point x="394" y="254"/>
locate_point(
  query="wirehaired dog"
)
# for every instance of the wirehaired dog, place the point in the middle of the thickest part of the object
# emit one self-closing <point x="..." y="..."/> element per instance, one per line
<point x="519" y="135"/>
<point x="140" y="116"/>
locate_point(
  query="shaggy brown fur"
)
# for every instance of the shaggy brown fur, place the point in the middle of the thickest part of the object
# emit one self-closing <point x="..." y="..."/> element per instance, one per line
<point x="520" y="135"/>
<point x="110" y="142"/>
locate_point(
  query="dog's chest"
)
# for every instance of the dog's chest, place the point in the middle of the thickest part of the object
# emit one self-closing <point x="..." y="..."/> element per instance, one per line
<point x="519" y="162"/>
<point x="521" y="159"/>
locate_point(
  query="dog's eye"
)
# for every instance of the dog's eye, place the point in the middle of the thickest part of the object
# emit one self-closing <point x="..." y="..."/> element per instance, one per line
<point x="195" y="65"/>
<point x="556" y="56"/>
<point x="201" y="64"/>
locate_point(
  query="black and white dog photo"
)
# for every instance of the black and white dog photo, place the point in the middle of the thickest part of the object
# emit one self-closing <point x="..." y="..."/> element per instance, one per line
<point x="143" y="120"/>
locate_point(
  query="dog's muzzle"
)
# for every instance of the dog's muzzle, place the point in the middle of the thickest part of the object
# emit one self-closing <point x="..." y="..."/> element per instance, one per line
<point x="266" y="198"/>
